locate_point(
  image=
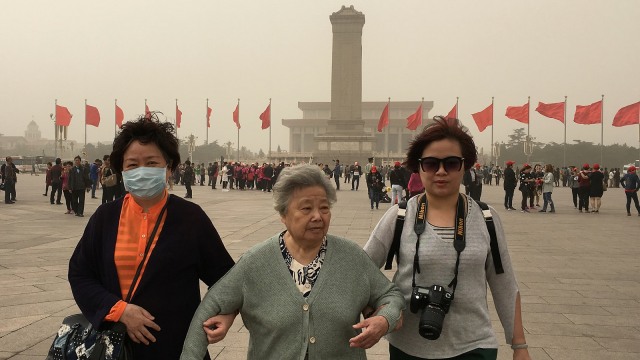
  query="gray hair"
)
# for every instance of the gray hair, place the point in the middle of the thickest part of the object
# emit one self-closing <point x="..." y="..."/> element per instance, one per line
<point x="299" y="177"/>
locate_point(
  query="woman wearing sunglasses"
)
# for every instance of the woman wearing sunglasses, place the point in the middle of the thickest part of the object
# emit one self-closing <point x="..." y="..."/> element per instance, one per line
<point x="444" y="259"/>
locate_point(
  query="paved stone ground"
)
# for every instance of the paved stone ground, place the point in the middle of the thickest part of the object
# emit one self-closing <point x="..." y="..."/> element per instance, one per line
<point x="578" y="273"/>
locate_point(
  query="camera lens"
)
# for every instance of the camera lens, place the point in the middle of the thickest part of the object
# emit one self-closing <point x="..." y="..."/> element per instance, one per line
<point x="431" y="321"/>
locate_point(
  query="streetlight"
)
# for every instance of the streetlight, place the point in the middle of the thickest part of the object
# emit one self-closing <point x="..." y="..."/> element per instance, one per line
<point x="55" y="130"/>
<point x="497" y="147"/>
<point x="191" y="142"/>
<point x="528" y="147"/>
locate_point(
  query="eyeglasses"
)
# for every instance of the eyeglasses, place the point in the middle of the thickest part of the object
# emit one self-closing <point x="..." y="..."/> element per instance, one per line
<point x="432" y="164"/>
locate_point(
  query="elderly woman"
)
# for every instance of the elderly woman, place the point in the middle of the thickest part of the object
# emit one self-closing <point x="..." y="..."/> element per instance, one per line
<point x="301" y="292"/>
<point x="119" y="240"/>
<point x="445" y="259"/>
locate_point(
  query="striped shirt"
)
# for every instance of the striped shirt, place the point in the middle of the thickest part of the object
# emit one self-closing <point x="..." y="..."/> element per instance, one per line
<point x="134" y="228"/>
<point x="446" y="233"/>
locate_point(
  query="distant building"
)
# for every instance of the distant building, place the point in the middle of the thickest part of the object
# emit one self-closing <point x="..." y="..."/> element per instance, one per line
<point x="389" y="145"/>
<point x="32" y="143"/>
<point x="33" y="134"/>
<point x="11" y="142"/>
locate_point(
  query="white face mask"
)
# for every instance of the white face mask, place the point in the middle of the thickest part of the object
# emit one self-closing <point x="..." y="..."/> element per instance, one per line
<point x="145" y="182"/>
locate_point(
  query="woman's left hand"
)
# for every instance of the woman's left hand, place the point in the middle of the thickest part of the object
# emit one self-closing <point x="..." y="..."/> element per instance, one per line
<point x="373" y="329"/>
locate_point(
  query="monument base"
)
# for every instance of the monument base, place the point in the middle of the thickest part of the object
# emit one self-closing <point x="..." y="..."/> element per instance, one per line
<point x="348" y="149"/>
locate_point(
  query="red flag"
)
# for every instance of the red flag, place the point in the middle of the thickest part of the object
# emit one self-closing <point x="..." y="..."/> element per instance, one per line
<point x="453" y="114"/>
<point x="178" y="117"/>
<point x="484" y="118"/>
<point x="554" y="111"/>
<point x="588" y="114"/>
<point x="119" y="116"/>
<point x="414" y="120"/>
<point x="266" y="117"/>
<point x="209" y="110"/>
<point x="92" y="115"/>
<point x="384" y="118"/>
<point x="236" y="116"/>
<point x="628" y="115"/>
<point x="63" y="116"/>
<point x="518" y="113"/>
<point x="147" y="113"/>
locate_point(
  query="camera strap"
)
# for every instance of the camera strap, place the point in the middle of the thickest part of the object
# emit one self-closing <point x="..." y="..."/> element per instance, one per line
<point x="459" y="241"/>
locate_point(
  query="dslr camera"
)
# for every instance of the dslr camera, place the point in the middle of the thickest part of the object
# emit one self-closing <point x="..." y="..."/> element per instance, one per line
<point x="434" y="303"/>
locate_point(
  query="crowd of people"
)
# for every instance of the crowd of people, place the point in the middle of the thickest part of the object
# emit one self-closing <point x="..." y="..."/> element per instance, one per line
<point x="144" y="251"/>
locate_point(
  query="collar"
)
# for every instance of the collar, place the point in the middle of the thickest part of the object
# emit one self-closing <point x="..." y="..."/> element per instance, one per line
<point x="155" y="209"/>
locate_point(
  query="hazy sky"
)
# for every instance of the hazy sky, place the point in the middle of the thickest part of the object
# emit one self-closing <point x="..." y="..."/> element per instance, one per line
<point x="255" y="50"/>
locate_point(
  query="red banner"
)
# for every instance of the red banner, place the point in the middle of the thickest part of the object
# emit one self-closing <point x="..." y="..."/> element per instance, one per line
<point x="209" y="111"/>
<point x="484" y="118"/>
<point x="92" y="116"/>
<point x="178" y="117"/>
<point x="589" y="114"/>
<point x="147" y="113"/>
<point x="518" y="113"/>
<point x="554" y="111"/>
<point x="266" y="117"/>
<point x="119" y="116"/>
<point x="384" y="118"/>
<point x="63" y="116"/>
<point x="236" y="116"/>
<point x="414" y="120"/>
<point x="628" y="115"/>
<point x="453" y="114"/>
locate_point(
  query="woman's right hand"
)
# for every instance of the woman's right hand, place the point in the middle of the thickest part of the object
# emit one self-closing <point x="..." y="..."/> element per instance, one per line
<point x="217" y="327"/>
<point x="138" y="321"/>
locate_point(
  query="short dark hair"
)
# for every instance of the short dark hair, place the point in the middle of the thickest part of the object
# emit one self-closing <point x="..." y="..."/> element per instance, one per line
<point x="146" y="129"/>
<point x="58" y="161"/>
<point x="77" y="157"/>
<point x="441" y="129"/>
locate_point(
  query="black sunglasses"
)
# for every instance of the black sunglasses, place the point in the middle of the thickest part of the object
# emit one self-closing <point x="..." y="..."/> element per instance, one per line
<point x="432" y="164"/>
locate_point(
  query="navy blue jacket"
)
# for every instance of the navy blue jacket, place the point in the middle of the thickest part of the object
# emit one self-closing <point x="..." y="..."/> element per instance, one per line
<point x="188" y="249"/>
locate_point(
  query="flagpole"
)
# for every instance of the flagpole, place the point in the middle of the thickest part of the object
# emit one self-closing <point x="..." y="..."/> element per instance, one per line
<point x="55" y="129"/>
<point x="206" y="111"/>
<point x="238" y="150"/>
<point x="529" y="121"/>
<point x="85" y="123"/>
<point x="492" y="126"/>
<point x="270" y="129"/>
<point x="175" y="120"/>
<point x="115" y="119"/>
<point x="602" y="131"/>
<point x="388" y="130"/>
<point x="564" y="147"/>
<point x="421" y="110"/>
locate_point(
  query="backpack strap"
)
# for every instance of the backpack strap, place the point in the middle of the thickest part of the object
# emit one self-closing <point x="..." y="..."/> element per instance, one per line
<point x="495" y="249"/>
<point x="394" y="250"/>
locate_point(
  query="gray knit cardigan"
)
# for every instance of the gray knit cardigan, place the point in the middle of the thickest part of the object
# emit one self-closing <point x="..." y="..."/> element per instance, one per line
<point x="283" y="324"/>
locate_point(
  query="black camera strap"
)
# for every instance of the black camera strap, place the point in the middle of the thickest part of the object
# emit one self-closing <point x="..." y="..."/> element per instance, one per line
<point x="459" y="241"/>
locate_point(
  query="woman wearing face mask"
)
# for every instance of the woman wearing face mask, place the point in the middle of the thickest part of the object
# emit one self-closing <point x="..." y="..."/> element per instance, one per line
<point x="171" y="242"/>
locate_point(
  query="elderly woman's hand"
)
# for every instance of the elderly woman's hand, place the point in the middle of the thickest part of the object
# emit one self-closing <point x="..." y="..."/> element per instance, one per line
<point x="373" y="329"/>
<point x="137" y="321"/>
<point x="217" y="327"/>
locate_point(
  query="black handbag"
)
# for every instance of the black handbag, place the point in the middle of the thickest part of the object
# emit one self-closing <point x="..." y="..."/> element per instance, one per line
<point x="77" y="339"/>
